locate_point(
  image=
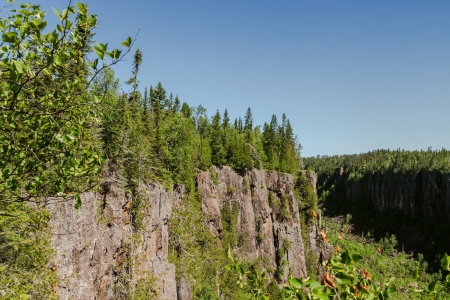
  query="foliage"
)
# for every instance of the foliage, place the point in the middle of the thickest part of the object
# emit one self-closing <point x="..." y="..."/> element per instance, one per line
<point x="305" y="194"/>
<point x="342" y="279"/>
<point x="229" y="217"/>
<point x="358" y="270"/>
<point x="47" y="143"/>
<point x="383" y="261"/>
<point x="198" y="255"/>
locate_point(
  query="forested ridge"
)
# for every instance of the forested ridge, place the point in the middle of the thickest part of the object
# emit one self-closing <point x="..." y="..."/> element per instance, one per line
<point x="67" y="124"/>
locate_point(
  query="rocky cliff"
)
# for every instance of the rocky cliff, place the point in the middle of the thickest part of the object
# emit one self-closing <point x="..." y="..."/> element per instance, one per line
<point x="268" y="217"/>
<point x="96" y="245"/>
<point x="100" y="254"/>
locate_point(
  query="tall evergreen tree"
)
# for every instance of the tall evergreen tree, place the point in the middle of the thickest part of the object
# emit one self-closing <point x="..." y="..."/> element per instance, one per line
<point x="146" y="100"/>
<point x="217" y="141"/>
<point x="176" y="105"/>
<point x="240" y="126"/>
<point x="170" y="102"/>
<point x="135" y="95"/>
<point x="226" y="119"/>
<point x="186" y="110"/>
<point x="271" y="143"/>
<point x="248" y="120"/>
<point x="289" y="158"/>
<point x="248" y="127"/>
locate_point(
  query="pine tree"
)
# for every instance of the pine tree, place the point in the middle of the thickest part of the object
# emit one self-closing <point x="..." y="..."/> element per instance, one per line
<point x="176" y="105"/>
<point x="248" y="127"/>
<point x="217" y="141"/>
<point x="289" y="158"/>
<point x="271" y="143"/>
<point x="240" y="127"/>
<point x="226" y="119"/>
<point x="248" y="120"/>
<point x="146" y="100"/>
<point x="170" y="102"/>
<point x="135" y="95"/>
<point x="186" y="110"/>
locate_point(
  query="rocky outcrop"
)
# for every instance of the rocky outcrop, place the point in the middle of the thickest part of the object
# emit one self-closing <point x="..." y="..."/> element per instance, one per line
<point x="312" y="177"/>
<point x="268" y="216"/>
<point x="97" y="251"/>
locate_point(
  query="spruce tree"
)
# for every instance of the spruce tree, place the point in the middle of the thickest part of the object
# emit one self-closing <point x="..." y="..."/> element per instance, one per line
<point x="226" y="119"/>
<point x="176" y="105"/>
<point x="248" y="120"/>
<point x="248" y="126"/>
<point x="133" y="81"/>
<point x="217" y="141"/>
<point x="271" y="143"/>
<point x="186" y="110"/>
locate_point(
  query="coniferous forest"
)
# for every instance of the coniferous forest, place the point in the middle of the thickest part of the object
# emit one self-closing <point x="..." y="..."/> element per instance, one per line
<point x="67" y="124"/>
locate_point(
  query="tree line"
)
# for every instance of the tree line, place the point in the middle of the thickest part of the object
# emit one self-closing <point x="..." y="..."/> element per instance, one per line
<point x="154" y="136"/>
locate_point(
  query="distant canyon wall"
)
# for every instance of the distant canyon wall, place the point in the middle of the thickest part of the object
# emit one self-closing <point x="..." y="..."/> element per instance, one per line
<point x="413" y="195"/>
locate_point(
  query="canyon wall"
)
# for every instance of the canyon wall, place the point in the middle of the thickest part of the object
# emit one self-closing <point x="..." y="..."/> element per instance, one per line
<point x="95" y="244"/>
<point x="98" y="248"/>
<point x="414" y="195"/>
<point x="268" y="215"/>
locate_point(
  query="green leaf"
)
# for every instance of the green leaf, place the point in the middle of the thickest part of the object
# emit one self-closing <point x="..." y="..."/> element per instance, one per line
<point x="296" y="283"/>
<point x="115" y="54"/>
<point x="356" y="257"/>
<point x="100" y="50"/>
<point x="127" y="42"/>
<point x="9" y="37"/>
<point x="391" y="289"/>
<point x="58" y="60"/>
<point x="77" y="201"/>
<point x="346" y="258"/>
<point x="56" y="12"/>
<point x="432" y="285"/>
<point x="445" y="262"/>
<point x="314" y="285"/>
<point x="320" y="295"/>
<point x="416" y="273"/>
<point x="20" y="66"/>
<point x="229" y="255"/>
<point x="343" y="278"/>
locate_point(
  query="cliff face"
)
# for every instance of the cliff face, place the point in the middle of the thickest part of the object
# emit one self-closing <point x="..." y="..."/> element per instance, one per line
<point x="95" y="243"/>
<point x="268" y="216"/>
<point x="418" y="195"/>
<point x="97" y="247"/>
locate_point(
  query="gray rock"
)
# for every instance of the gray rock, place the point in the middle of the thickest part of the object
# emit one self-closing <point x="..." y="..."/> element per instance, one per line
<point x="94" y="243"/>
<point x="264" y="229"/>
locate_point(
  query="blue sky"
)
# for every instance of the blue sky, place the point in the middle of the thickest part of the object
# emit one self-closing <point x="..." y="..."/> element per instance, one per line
<point x="352" y="76"/>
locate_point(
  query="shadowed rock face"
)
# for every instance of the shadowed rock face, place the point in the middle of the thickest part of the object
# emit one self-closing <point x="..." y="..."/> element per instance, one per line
<point x="222" y="187"/>
<point x="93" y="243"/>
<point x="415" y="195"/>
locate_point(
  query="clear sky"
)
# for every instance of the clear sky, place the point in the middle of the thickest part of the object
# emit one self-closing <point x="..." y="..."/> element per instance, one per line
<point x="352" y="76"/>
